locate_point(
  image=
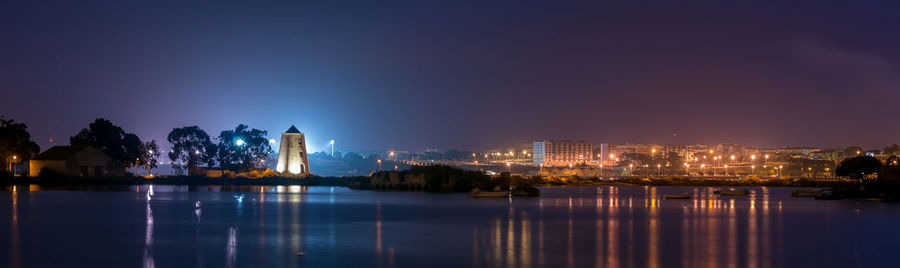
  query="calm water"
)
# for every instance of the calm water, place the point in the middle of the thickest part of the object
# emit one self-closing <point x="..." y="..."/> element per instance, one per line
<point x="338" y="227"/>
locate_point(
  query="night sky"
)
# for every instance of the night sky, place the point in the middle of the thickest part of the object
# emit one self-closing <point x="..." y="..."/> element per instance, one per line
<point x="459" y="74"/>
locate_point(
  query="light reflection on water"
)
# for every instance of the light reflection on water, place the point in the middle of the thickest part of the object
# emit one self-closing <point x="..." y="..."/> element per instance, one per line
<point x="328" y="226"/>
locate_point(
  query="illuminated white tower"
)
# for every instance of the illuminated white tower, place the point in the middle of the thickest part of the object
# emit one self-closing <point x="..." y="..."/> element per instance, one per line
<point x="292" y="157"/>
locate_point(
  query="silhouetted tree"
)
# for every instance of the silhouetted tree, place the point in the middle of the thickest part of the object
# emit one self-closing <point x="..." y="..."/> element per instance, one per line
<point x="858" y="167"/>
<point x="15" y="141"/>
<point x="110" y="139"/>
<point x="191" y="146"/>
<point x="243" y="149"/>
<point x="149" y="155"/>
<point x="353" y="159"/>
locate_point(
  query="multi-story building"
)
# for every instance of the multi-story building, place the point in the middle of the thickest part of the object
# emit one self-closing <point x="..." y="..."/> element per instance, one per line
<point x="686" y="151"/>
<point x="562" y="153"/>
<point x="632" y="148"/>
<point x="796" y="152"/>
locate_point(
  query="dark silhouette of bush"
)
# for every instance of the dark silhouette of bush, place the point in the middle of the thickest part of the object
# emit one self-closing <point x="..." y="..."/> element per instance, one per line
<point x="858" y="167"/>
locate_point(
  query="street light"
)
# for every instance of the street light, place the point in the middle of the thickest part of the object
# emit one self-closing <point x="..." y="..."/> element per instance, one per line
<point x="239" y="142"/>
<point x="332" y="147"/>
<point x="379" y="164"/>
<point x="726" y="170"/>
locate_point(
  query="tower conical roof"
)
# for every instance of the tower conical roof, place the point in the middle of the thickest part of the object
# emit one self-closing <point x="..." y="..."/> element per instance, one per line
<point x="293" y="129"/>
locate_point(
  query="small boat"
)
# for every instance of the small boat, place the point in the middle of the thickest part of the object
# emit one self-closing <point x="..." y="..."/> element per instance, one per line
<point x="807" y="193"/>
<point x="525" y="191"/>
<point x="732" y="192"/>
<point x="478" y="193"/>
<point x="678" y="196"/>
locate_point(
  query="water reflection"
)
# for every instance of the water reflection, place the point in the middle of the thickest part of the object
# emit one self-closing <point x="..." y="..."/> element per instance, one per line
<point x="148" y="234"/>
<point x="14" y="236"/>
<point x="231" y="247"/>
<point x="627" y="232"/>
<point x="566" y="227"/>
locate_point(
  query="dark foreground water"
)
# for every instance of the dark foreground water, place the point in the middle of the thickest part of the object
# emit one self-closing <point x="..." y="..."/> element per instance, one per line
<point x="337" y="227"/>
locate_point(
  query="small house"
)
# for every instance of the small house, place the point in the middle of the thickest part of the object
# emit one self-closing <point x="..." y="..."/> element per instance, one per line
<point x="76" y="161"/>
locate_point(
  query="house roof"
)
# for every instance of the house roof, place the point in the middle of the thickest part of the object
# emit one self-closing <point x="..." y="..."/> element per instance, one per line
<point x="60" y="152"/>
<point x="293" y="129"/>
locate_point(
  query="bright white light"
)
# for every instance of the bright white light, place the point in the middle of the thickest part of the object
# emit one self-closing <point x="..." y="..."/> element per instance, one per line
<point x="271" y="140"/>
<point x="331" y="142"/>
<point x="239" y="142"/>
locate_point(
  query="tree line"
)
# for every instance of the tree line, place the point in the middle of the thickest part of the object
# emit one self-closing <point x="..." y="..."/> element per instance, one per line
<point x="240" y="149"/>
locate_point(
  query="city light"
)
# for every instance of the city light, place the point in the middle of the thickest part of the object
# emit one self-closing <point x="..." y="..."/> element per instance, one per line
<point x="239" y="142"/>
<point x="272" y="141"/>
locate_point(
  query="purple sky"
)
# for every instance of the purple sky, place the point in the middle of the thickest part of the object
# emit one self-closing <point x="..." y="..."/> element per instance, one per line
<point x="460" y="74"/>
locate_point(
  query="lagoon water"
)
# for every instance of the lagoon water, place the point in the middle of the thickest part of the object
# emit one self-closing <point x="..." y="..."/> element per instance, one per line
<point x="252" y="226"/>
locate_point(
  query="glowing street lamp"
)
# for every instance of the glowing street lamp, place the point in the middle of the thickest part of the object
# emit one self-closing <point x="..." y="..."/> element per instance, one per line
<point x="379" y="164"/>
<point x="239" y="142"/>
<point x="332" y="148"/>
<point x="14" y="167"/>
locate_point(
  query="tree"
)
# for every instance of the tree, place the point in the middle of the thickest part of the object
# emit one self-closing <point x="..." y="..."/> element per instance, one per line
<point x="191" y="146"/>
<point x="243" y="149"/>
<point x="110" y="139"/>
<point x="858" y="167"/>
<point x="15" y="141"/>
<point x="149" y="155"/>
